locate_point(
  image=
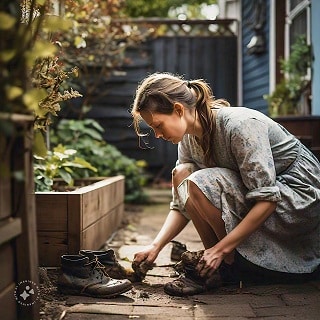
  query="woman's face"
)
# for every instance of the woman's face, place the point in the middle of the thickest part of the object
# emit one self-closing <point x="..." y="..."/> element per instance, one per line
<point x="170" y="127"/>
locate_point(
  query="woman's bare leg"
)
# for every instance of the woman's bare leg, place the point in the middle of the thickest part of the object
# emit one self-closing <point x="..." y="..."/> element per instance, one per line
<point x="204" y="229"/>
<point x="206" y="218"/>
<point x="198" y="206"/>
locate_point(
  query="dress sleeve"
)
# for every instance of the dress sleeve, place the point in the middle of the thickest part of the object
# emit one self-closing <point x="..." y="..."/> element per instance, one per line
<point x="252" y="151"/>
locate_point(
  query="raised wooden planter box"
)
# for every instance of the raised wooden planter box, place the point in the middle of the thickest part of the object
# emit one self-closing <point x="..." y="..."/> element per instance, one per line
<point x="81" y="219"/>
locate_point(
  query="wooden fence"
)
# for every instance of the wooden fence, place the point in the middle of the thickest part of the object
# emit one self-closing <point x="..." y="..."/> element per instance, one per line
<point x="193" y="48"/>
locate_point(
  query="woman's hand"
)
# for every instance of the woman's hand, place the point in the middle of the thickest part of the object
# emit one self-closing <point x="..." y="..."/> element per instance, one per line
<point x="213" y="257"/>
<point x="210" y="261"/>
<point x="147" y="255"/>
<point x="172" y="226"/>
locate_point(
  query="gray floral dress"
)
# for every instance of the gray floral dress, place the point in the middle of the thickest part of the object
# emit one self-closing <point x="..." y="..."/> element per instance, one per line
<point x="257" y="159"/>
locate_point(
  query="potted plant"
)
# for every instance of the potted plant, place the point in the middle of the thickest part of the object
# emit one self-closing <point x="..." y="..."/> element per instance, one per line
<point x="292" y="94"/>
<point x="290" y="103"/>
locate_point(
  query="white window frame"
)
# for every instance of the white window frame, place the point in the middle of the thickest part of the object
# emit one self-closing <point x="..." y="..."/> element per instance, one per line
<point x="290" y="16"/>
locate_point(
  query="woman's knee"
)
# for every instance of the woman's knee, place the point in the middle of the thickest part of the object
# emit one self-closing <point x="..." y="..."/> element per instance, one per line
<point x="181" y="172"/>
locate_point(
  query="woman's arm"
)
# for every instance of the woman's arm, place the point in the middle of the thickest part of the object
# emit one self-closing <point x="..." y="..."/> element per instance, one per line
<point x="251" y="222"/>
<point x="173" y="225"/>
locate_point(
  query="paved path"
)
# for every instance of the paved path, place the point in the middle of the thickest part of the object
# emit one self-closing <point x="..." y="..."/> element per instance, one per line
<point x="148" y="301"/>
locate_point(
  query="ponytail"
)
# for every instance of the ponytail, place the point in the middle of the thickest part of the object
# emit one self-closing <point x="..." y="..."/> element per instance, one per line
<point x="205" y="102"/>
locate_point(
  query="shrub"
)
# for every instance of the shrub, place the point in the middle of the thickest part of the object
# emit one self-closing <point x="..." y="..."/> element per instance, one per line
<point x="86" y="136"/>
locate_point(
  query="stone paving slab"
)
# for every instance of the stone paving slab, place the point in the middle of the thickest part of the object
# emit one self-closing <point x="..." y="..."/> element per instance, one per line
<point x="182" y="311"/>
<point x="238" y="299"/>
<point x="312" y="312"/>
<point x="243" y="310"/>
<point x="302" y="299"/>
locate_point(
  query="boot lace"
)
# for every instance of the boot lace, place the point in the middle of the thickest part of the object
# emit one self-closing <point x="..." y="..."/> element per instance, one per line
<point x="98" y="266"/>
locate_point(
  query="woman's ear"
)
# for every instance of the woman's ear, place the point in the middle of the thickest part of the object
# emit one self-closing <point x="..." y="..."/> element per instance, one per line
<point x="178" y="108"/>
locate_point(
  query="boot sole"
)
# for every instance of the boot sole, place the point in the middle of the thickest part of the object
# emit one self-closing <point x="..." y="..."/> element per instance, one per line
<point x="73" y="292"/>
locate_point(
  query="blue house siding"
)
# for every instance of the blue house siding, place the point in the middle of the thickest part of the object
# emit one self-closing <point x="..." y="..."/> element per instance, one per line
<point x="255" y="67"/>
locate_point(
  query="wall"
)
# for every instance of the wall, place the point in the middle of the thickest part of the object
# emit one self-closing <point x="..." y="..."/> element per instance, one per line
<point x="255" y="73"/>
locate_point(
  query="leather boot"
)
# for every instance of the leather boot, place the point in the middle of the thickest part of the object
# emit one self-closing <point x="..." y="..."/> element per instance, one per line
<point x="113" y="268"/>
<point x="177" y="250"/>
<point x="191" y="282"/>
<point x="81" y="275"/>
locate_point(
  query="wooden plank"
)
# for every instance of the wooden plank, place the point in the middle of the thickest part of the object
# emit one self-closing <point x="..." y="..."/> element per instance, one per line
<point x="5" y="197"/>
<point x="74" y="222"/>
<point x="302" y="126"/>
<point x="24" y="208"/>
<point x="7" y="265"/>
<point x="52" y="245"/>
<point x="9" y="229"/>
<point x="8" y="304"/>
<point x="52" y="211"/>
<point x="97" y="234"/>
<point x="85" y="206"/>
<point x="5" y="182"/>
<point x="99" y="201"/>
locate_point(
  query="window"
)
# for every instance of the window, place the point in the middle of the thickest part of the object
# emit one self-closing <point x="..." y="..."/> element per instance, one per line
<point x="297" y="22"/>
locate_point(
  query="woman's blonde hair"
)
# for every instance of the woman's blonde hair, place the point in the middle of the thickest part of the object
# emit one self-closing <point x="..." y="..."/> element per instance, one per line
<point x="158" y="92"/>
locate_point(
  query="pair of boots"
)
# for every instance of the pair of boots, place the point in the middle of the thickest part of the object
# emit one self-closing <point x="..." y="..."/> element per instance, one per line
<point x="93" y="273"/>
<point x="190" y="282"/>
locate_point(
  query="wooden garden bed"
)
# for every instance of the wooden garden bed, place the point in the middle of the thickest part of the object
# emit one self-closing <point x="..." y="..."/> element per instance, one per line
<point x="80" y="219"/>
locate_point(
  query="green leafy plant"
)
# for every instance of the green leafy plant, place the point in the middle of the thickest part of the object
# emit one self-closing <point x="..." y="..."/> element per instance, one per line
<point x="59" y="163"/>
<point x="147" y="8"/>
<point x="95" y="42"/>
<point x="25" y="41"/>
<point x="32" y="78"/>
<point x="292" y="93"/>
<point x="107" y="159"/>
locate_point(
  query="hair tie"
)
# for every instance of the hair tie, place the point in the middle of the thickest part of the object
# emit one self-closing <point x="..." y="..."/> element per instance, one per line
<point x="188" y="84"/>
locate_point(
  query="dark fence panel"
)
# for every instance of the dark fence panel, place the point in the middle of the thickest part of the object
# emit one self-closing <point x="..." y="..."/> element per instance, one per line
<point x="212" y="59"/>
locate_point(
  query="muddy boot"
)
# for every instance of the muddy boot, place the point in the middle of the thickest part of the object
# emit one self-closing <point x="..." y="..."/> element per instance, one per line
<point x="113" y="268"/>
<point x="141" y="269"/>
<point x="81" y="275"/>
<point x="191" y="282"/>
<point x="177" y="250"/>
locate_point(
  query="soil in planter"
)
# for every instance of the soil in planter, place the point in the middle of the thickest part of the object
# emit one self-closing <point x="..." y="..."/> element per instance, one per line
<point x="60" y="185"/>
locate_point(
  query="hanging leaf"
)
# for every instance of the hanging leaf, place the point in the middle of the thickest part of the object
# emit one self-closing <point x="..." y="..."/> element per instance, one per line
<point x="7" y="55"/>
<point x="79" y="42"/>
<point x="41" y="49"/>
<point x="13" y="92"/>
<point x="6" y="21"/>
<point x="53" y="23"/>
<point x="39" y="145"/>
<point x="41" y="2"/>
<point x="32" y="98"/>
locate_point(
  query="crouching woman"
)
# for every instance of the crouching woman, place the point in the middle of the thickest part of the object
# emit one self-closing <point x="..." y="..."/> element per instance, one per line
<point x="251" y="189"/>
